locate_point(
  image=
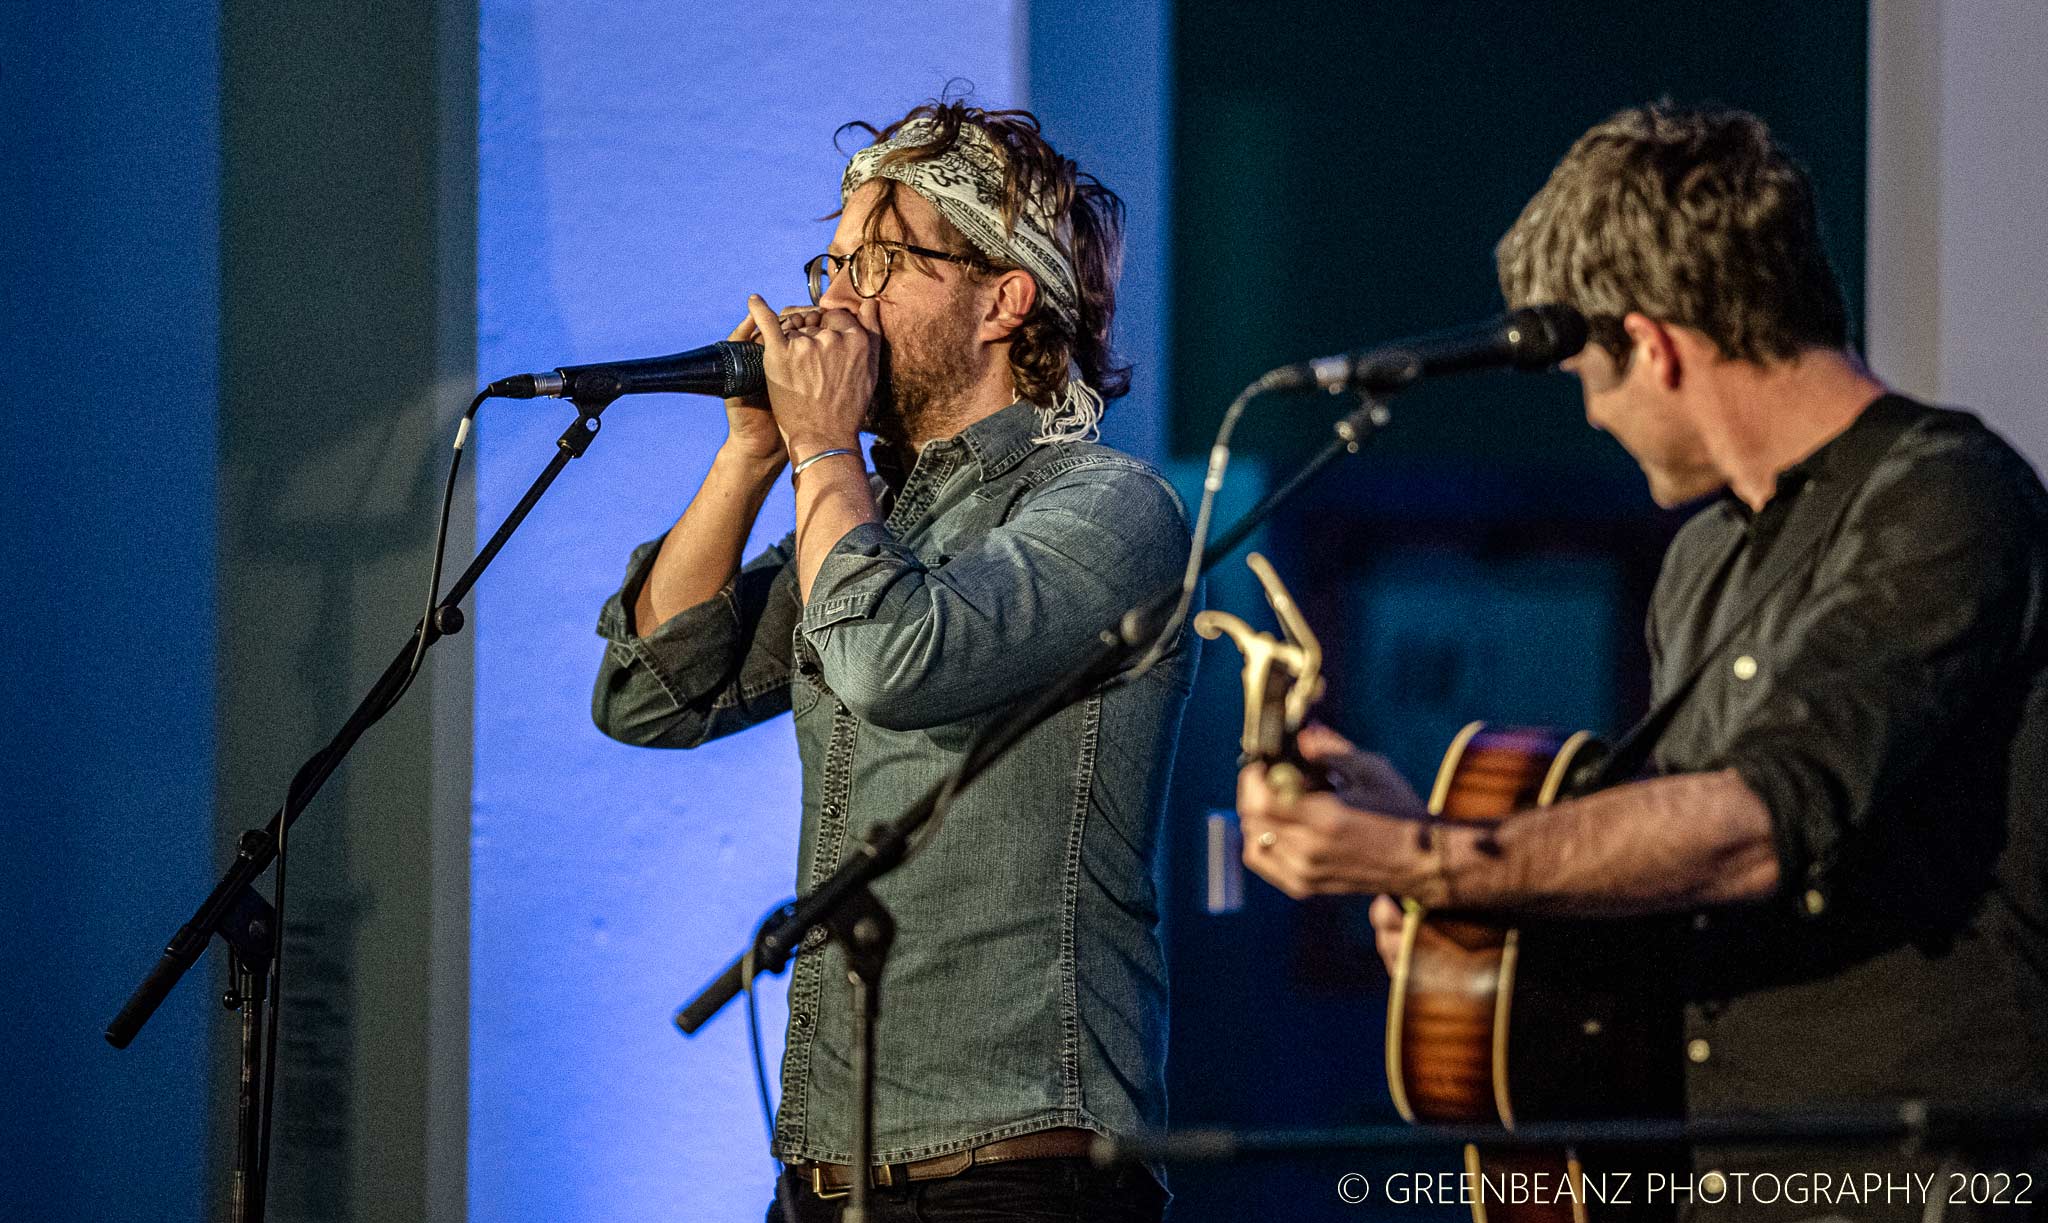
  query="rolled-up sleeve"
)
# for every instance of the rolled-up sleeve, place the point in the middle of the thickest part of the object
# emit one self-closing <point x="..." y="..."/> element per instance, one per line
<point x="1012" y="614"/>
<point x="1926" y="604"/>
<point x="706" y="671"/>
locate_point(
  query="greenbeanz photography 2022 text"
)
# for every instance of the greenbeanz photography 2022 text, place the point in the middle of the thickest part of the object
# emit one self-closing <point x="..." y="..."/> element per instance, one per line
<point x="1813" y="1188"/>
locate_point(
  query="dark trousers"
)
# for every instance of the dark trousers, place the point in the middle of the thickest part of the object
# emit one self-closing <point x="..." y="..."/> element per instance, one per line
<point x="1024" y="1191"/>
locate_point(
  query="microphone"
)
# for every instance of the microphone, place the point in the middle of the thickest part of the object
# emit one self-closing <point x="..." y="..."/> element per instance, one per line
<point x="727" y="369"/>
<point x="1532" y="338"/>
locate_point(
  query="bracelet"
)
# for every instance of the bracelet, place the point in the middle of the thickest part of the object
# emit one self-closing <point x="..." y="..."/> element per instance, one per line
<point x="798" y="470"/>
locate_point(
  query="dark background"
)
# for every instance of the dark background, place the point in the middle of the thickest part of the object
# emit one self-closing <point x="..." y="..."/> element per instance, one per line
<point x="1341" y="174"/>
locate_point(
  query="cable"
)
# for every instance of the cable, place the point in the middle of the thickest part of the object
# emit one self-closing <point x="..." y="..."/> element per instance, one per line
<point x="1212" y="482"/>
<point x="268" y="1054"/>
<point x="1198" y="544"/>
<point x="275" y="988"/>
<point x="761" y="1055"/>
<point x="427" y="625"/>
<point x="1219" y="460"/>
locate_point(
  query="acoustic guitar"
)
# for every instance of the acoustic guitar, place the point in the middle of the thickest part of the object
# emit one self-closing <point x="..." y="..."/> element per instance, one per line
<point x="1489" y="1021"/>
<point x="1498" y="1022"/>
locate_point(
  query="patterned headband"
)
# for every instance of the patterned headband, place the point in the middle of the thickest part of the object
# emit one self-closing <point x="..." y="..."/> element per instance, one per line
<point x="965" y="184"/>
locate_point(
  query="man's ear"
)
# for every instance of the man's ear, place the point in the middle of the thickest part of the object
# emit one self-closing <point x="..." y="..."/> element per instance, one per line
<point x="1015" y="295"/>
<point x="1655" y="343"/>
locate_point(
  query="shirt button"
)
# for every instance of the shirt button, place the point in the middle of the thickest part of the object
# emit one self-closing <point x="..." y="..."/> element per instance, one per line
<point x="1745" y="667"/>
<point x="1697" y="1051"/>
<point x="1815" y="902"/>
<point x="1713" y="1184"/>
<point x="1701" y="921"/>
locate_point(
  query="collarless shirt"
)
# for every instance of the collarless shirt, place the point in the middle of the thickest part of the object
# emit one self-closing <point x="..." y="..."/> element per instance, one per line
<point x="1026" y="986"/>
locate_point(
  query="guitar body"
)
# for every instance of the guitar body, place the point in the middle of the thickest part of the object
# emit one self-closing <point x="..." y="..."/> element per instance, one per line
<point x="1491" y="1023"/>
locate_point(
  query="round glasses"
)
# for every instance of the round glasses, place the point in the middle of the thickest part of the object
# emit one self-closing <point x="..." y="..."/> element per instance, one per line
<point x="870" y="265"/>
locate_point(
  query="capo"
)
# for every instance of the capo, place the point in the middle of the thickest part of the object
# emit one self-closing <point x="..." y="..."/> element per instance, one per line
<point x="1282" y="678"/>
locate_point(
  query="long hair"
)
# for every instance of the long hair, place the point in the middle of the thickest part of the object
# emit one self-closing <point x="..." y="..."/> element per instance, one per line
<point x="1087" y="219"/>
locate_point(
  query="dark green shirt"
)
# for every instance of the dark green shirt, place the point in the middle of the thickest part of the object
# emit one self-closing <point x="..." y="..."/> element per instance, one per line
<point x="1889" y="704"/>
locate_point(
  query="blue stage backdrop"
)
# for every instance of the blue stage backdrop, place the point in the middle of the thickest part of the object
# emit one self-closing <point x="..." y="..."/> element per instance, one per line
<point x="643" y="167"/>
<point x="109" y="246"/>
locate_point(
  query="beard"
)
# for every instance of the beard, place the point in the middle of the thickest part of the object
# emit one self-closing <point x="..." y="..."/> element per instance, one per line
<point x="923" y="370"/>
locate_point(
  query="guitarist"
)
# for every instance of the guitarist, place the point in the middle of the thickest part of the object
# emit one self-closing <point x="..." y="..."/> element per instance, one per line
<point x="1850" y="789"/>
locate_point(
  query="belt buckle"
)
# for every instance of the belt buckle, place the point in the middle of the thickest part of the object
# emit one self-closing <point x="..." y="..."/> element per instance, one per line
<point x="882" y="1177"/>
<point x="818" y="1189"/>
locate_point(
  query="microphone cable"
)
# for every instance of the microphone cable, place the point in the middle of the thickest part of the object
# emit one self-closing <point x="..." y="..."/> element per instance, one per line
<point x="1198" y="541"/>
<point x="260" y="1173"/>
<point x="747" y="973"/>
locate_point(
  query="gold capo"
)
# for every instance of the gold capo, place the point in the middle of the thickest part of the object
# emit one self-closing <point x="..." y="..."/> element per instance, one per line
<point x="1287" y="669"/>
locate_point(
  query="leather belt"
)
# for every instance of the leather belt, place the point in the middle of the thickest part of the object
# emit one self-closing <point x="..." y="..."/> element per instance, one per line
<point x="836" y="1180"/>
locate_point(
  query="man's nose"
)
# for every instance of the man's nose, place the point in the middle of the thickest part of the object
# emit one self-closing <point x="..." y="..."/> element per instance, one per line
<point x="839" y="294"/>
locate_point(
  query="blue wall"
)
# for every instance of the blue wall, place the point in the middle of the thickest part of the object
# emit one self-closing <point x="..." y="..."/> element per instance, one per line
<point x="108" y="247"/>
<point x="642" y="170"/>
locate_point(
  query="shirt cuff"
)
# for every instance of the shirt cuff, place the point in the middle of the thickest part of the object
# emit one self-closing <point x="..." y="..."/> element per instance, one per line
<point x="690" y="653"/>
<point x="1802" y="835"/>
<point x="855" y="575"/>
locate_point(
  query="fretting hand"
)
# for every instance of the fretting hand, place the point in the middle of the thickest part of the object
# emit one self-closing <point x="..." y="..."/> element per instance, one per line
<point x="1331" y="842"/>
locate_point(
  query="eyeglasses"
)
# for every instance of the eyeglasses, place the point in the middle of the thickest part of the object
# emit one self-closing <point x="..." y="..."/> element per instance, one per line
<point x="870" y="265"/>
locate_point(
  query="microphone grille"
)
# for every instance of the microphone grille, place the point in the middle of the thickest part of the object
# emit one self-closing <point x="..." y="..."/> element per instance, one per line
<point x="741" y="366"/>
<point x="1542" y="336"/>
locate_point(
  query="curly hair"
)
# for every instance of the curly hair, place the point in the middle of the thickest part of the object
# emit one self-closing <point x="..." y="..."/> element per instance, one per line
<point x="1088" y="220"/>
<point x="1696" y="217"/>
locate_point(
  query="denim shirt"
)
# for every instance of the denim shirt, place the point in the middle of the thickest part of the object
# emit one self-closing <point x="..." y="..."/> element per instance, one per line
<point x="1026" y="989"/>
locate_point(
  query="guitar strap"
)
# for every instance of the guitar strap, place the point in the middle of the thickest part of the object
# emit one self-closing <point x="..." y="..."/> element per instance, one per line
<point x="1822" y="504"/>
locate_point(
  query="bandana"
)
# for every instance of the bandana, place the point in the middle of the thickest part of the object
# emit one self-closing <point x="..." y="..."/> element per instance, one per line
<point x="965" y="185"/>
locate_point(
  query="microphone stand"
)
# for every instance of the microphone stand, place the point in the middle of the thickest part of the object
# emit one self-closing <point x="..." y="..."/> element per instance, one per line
<point x="240" y="915"/>
<point x="885" y="846"/>
<point x="1913" y="1125"/>
<point x="247" y="983"/>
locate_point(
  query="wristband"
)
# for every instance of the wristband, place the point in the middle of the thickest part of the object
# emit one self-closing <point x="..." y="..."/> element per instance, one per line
<point x="798" y="470"/>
